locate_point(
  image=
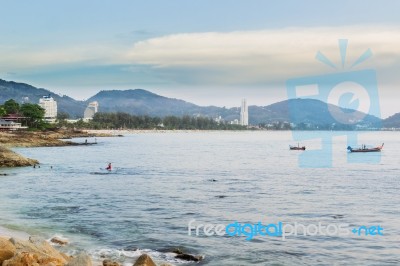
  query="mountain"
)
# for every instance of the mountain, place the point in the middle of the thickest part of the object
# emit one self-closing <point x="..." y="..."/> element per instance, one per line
<point x="392" y="121"/>
<point x="142" y="102"/>
<point x="22" y="92"/>
<point x="309" y="111"/>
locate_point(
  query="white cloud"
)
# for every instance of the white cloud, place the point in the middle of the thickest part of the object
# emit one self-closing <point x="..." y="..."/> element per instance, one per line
<point x="245" y="56"/>
<point x="23" y="57"/>
<point x="270" y="55"/>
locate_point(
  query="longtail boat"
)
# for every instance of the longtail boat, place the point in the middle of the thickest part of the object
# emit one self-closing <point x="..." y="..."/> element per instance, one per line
<point x="365" y="149"/>
<point x="297" y="148"/>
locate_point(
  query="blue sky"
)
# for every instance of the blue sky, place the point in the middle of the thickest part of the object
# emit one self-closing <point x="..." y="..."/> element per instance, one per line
<point x="206" y="52"/>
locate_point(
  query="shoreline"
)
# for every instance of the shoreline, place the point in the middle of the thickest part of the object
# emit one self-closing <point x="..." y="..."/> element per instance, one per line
<point x="9" y="158"/>
<point x="44" y="139"/>
<point x="23" y="249"/>
<point x="9" y="140"/>
<point x="33" y="254"/>
<point x="20" y="248"/>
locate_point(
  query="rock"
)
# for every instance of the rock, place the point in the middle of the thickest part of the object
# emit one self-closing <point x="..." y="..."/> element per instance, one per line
<point x="7" y="250"/>
<point x="189" y="257"/>
<point x="166" y="264"/>
<point x="144" y="260"/>
<point x="108" y="262"/>
<point x="59" y="241"/>
<point x="36" y="251"/>
<point x="9" y="158"/>
<point x="22" y="259"/>
<point x="65" y="256"/>
<point x="82" y="259"/>
<point x="177" y="251"/>
<point x="31" y="259"/>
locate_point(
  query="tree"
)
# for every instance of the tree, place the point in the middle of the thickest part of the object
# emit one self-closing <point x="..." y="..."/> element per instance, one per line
<point x="11" y="106"/>
<point x="62" y="116"/>
<point x="34" y="114"/>
<point x="3" y="111"/>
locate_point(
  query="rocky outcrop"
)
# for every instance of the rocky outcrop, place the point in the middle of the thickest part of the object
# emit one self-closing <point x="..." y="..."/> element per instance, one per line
<point x="59" y="241"/>
<point x="144" y="260"/>
<point x="42" y="138"/>
<point x="9" y="158"/>
<point x="7" y="250"/>
<point x="36" y="252"/>
<point x="81" y="260"/>
<point x="108" y="262"/>
<point x="188" y="257"/>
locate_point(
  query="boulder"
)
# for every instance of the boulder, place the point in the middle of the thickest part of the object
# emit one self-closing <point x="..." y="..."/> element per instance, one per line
<point x="7" y="250"/>
<point x="59" y="241"/>
<point x="22" y="259"/>
<point x="82" y="259"/>
<point x="144" y="260"/>
<point x="108" y="262"/>
<point x="35" y="251"/>
<point x="187" y="257"/>
<point x="31" y="259"/>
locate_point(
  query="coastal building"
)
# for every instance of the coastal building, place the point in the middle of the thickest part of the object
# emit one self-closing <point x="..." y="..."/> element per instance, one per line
<point x="244" y="114"/>
<point x="235" y="122"/>
<point x="50" y="107"/>
<point x="25" y="99"/>
<point x="7" y="125"/>
<point x="90" y="110"/>
<point x="218" y="119"/>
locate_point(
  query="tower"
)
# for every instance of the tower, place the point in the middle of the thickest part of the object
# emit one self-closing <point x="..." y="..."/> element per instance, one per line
<point x="50" y="107"/>
<point x="244" y="114"/>
<point x="91" y="110"/>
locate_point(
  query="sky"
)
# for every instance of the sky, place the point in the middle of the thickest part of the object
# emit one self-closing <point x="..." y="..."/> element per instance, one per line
<point x="205" y="52"/>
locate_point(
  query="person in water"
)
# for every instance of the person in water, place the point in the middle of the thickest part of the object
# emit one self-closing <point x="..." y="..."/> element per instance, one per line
<point x="109" y="167"/>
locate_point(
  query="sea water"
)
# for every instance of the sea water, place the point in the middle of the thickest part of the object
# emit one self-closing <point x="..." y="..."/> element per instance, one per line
<point x="162" y="181"/>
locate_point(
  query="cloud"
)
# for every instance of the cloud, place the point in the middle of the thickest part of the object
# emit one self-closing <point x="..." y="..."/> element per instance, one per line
<point x="266" y="56"/>
<point x="22" y="57"/>
<point x="242" y="57"/>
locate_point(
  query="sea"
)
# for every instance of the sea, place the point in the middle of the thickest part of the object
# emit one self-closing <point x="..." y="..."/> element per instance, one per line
<point x="178" y="189"/>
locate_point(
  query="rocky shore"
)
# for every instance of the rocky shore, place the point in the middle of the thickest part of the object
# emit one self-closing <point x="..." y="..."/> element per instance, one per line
<point x="44" y="139"/>
<point x="9" y="158"/>
<point x="8" y="140"/>
<point x="39" y="252"/>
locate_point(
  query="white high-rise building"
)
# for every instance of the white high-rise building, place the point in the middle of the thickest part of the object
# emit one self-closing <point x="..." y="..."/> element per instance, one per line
<point x="91" y="110"/>
<point x="244" y="114"/>
<point x="50" y="107"/>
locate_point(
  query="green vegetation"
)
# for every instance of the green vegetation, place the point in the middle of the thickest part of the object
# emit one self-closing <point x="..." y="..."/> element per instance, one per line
<point x="3" y="111"/>
<point x="11" y="106"/>
<point x="126" y="121"/>
<point x="32" y="114"/>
